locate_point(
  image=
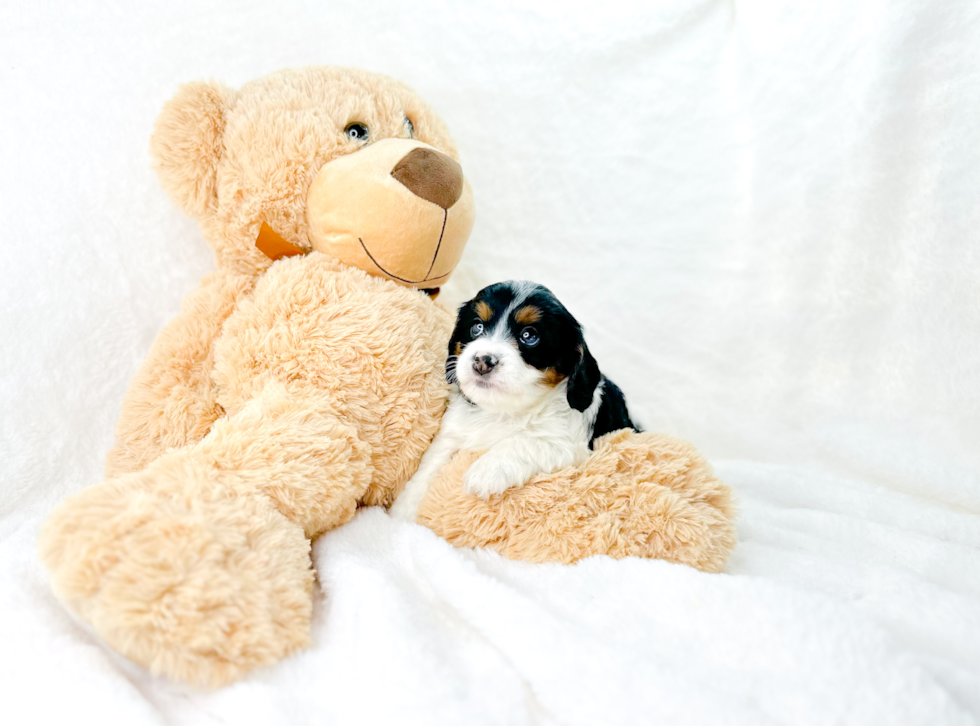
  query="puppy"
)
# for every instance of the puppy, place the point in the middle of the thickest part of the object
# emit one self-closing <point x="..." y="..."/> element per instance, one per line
<point x="524" y="387"/>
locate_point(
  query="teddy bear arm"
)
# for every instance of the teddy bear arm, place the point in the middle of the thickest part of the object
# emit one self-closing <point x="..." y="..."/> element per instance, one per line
<point x="172" y="399"/>
<point x="638" y="494"/>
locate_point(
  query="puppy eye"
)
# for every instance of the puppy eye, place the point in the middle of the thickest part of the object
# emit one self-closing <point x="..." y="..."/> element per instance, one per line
<point x="530" y="337"/>
<point x="410" y="127"/>
<point x="356" y="131"/>
<point x="477" y="330"/>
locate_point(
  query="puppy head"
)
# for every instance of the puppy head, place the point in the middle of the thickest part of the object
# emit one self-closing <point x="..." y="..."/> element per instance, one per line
<point x="514" y="344"/>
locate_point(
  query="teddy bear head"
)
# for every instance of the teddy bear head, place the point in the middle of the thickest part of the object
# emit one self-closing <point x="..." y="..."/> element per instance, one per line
<point x="342" y="161"/>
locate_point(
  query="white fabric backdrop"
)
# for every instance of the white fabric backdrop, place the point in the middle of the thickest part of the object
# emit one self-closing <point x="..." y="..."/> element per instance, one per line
<point x="765" y="213"/>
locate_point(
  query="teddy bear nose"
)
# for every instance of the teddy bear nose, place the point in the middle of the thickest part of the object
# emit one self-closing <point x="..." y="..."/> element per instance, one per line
<point x="431" y="175"/>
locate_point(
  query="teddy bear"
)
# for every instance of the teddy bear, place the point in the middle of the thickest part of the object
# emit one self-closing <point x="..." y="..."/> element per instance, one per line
<point x="305" y="378"/>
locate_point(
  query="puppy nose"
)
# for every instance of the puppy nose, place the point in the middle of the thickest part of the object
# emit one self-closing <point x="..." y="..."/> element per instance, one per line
<point x="431" y="175"/>
<point x="483" y="364"/>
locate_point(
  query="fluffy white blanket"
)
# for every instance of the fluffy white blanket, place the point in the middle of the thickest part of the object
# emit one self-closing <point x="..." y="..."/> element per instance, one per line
<point x="766" y="216"/>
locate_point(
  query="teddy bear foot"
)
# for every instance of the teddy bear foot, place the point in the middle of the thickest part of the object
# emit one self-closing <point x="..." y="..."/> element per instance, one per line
<point x="197" y="588"/>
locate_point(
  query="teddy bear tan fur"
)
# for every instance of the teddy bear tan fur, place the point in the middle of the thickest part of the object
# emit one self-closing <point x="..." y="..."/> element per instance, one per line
<point x="198" y="565"/>
<point x="288" y="393"/>
<point x="645" y="495"/>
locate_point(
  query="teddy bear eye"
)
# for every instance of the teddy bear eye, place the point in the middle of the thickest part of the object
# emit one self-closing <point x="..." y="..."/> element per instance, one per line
<point x="356" y="131"/>
<point x="410" y="127"/>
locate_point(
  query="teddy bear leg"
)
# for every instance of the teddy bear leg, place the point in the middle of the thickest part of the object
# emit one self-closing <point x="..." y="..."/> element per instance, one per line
<point x="198" y="567"/>
<point x="180" y="577"/>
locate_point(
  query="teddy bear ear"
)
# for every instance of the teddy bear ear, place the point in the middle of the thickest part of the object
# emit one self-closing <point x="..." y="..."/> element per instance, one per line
<point x="187" y="144"/>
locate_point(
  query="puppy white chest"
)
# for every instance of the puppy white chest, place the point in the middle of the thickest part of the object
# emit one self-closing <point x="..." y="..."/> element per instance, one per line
<point x="517" y="447"/>
<point x="552" y="423"/>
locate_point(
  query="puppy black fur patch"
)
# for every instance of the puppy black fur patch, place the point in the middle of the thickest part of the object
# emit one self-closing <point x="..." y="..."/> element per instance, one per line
<point x="560" y="349"/>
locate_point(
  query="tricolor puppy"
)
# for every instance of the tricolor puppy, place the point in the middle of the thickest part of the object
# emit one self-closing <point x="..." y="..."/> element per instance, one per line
<point x="524" y="387"/>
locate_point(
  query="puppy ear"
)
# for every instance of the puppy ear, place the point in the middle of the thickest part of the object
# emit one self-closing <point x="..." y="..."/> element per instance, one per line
<point x="187" y="145"/>
<point x="583" y="381"/>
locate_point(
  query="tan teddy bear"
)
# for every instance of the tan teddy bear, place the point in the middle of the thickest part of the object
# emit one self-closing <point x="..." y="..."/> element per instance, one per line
<point x="288" y="393"/>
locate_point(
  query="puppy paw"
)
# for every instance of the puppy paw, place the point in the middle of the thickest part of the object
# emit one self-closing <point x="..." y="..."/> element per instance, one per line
<point x="487" y="477"/>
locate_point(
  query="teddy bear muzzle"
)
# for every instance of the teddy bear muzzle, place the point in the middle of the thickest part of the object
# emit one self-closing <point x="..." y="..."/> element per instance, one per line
<point x="397" y="208"/>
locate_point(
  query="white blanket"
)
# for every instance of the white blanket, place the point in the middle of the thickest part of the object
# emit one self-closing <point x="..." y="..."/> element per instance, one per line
<point x="765" y="214"/>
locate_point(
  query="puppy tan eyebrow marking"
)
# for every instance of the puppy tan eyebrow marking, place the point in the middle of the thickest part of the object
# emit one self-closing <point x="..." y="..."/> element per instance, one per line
<point x="483" y="310"/>
<point x="528" y="314"/>
<point x="459" y="348"/>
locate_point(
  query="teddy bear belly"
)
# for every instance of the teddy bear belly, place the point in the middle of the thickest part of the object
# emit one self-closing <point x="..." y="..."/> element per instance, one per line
<point x="338" y="340"/>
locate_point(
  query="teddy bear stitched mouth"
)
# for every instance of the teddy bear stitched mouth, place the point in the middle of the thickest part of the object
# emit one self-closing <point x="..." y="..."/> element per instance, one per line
<point x="435" y="255"/>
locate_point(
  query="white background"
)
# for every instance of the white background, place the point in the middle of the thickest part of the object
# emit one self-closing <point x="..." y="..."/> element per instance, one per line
<point x="766" y="214"/>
